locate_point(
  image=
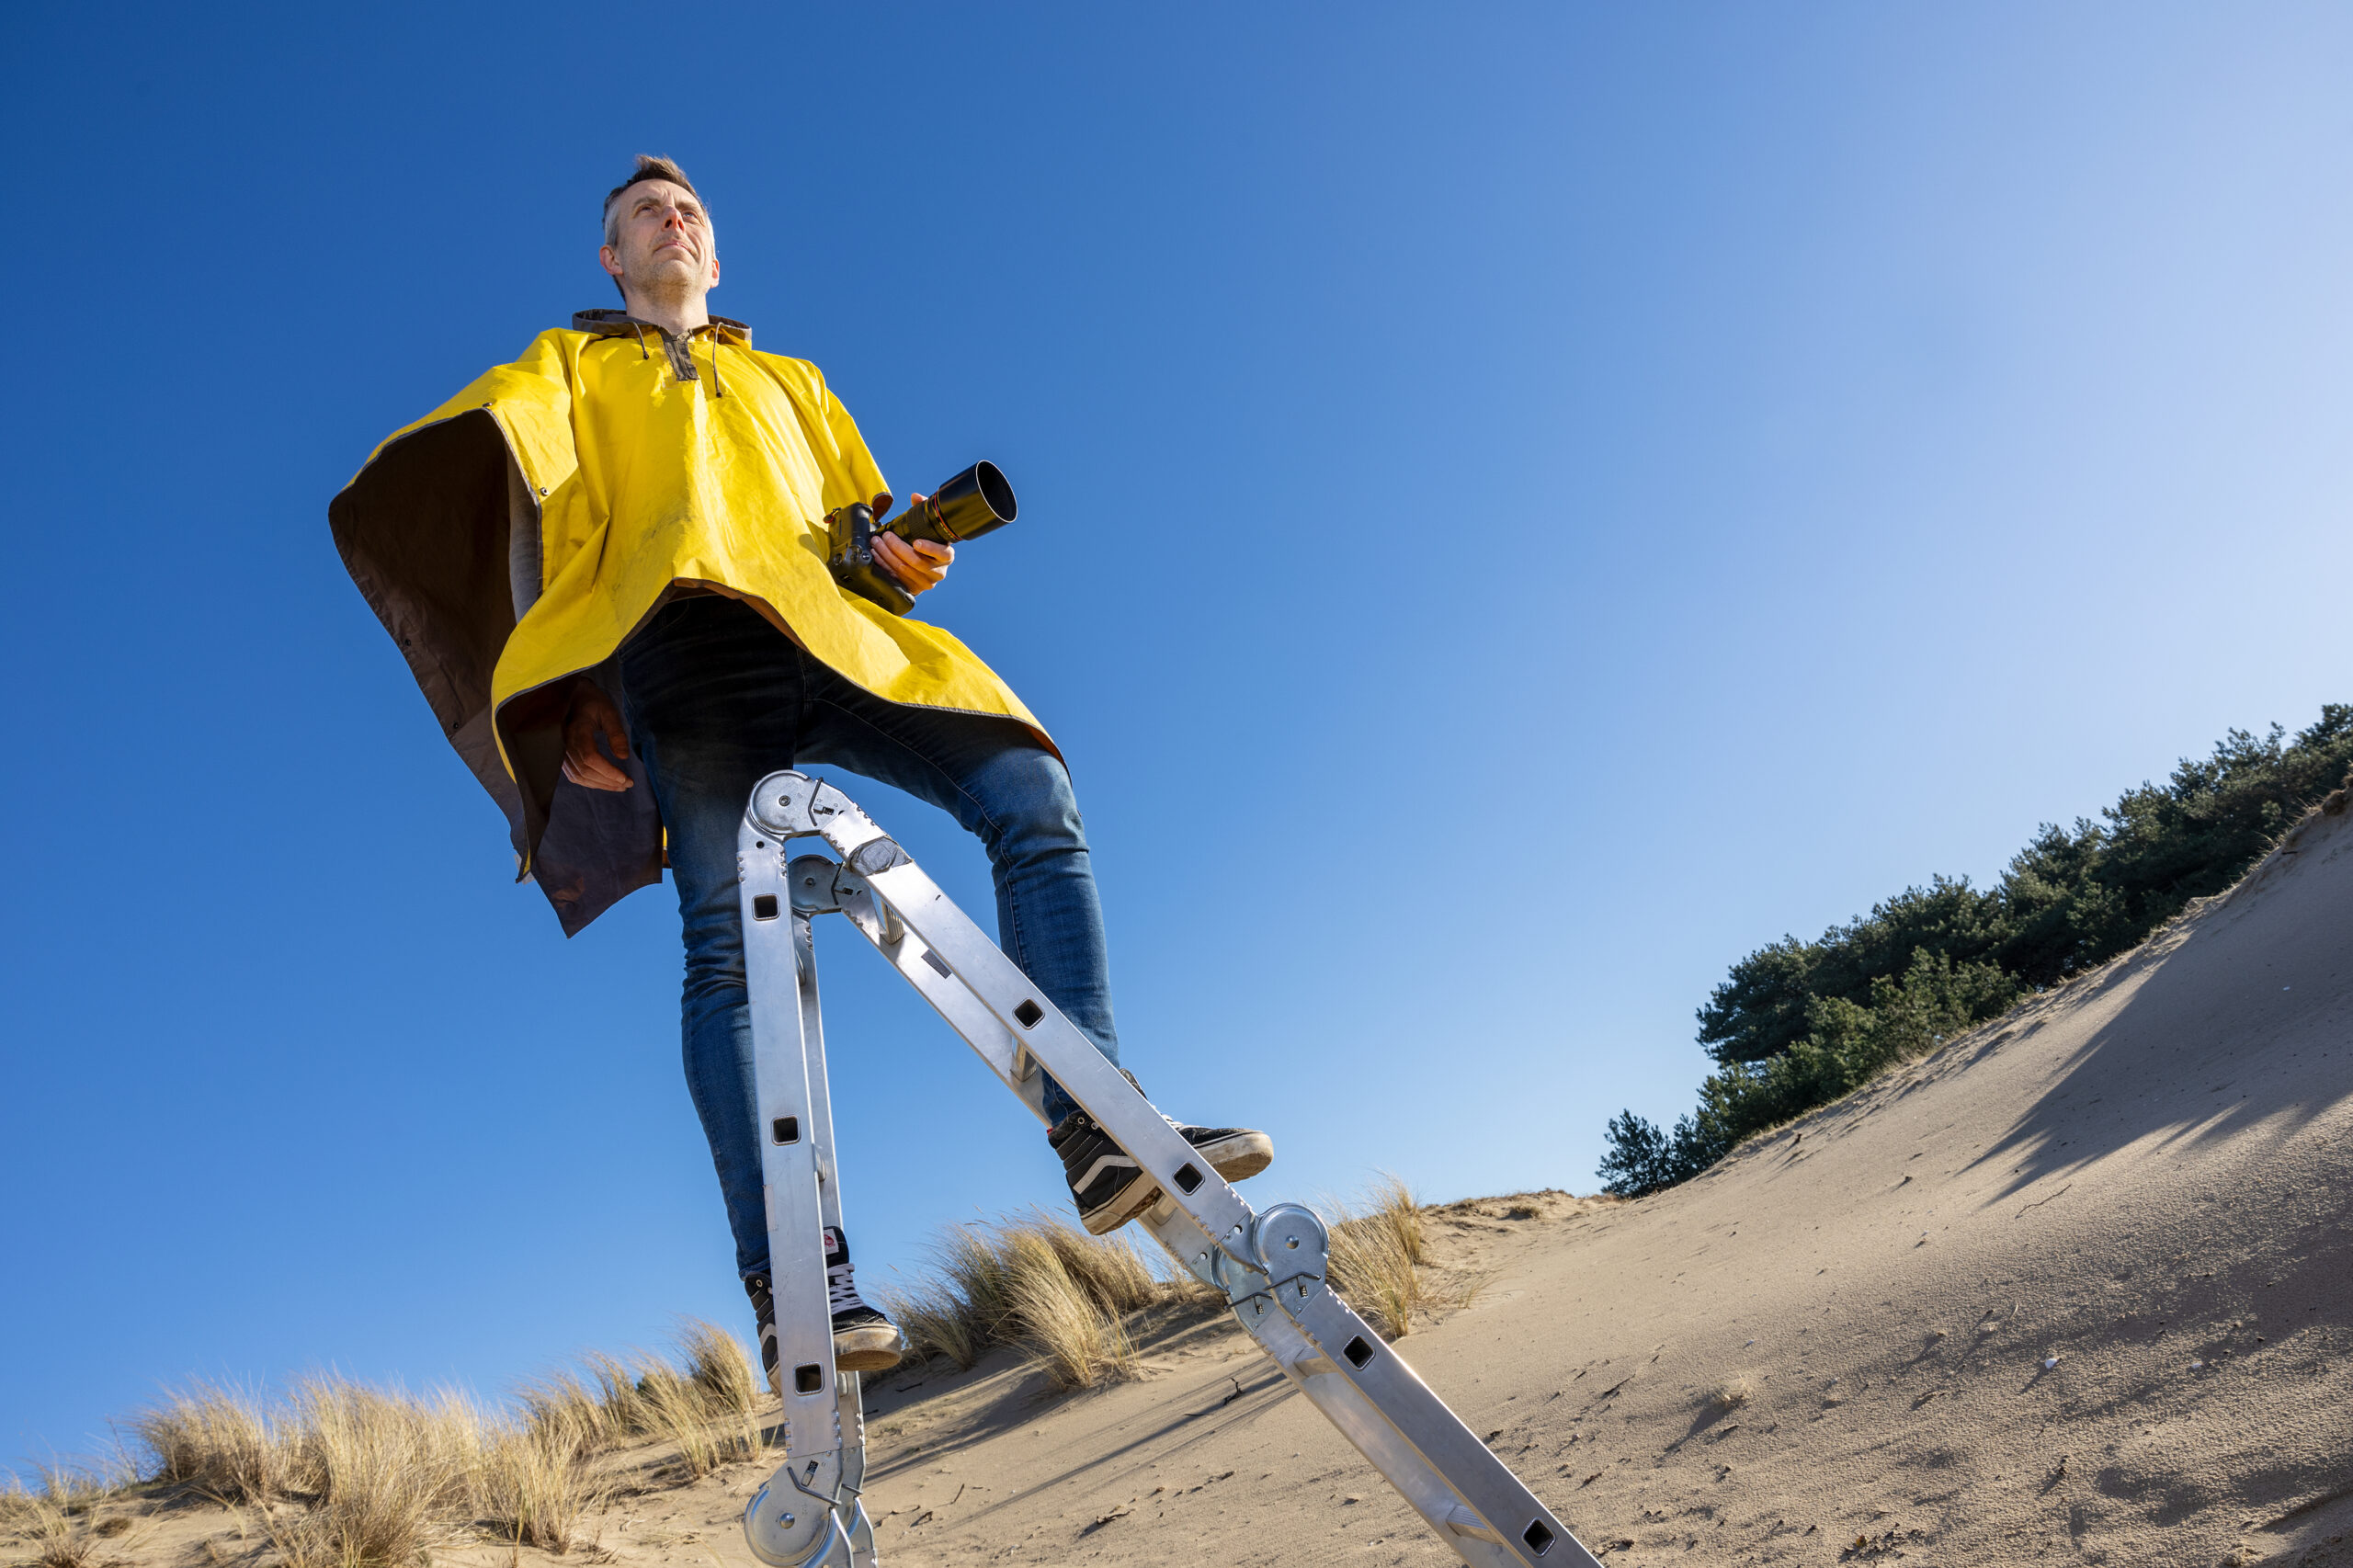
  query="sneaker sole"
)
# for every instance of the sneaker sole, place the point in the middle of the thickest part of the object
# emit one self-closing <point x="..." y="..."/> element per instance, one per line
<point x="869" y="1347"/>
<point x="1239" y="1157"/>
<point x="1126" y="1204"/>
<point x="1236" y="1159"/>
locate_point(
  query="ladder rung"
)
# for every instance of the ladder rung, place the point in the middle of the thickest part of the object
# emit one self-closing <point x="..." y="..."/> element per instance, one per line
<point x="1462" y="1521"/>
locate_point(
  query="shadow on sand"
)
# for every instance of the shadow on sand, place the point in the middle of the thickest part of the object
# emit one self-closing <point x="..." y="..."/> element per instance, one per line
<point x="2237" y="1020"/>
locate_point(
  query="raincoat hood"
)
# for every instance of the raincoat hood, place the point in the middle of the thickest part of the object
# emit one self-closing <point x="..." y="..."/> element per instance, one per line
<point x="512" y="540"/>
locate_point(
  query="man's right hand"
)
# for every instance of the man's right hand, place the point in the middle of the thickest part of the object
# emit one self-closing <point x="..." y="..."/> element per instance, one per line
<point x="593" y="716"/>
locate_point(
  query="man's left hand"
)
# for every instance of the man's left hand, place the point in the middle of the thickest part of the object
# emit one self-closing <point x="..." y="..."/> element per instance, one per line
<point x="918" y="566"/>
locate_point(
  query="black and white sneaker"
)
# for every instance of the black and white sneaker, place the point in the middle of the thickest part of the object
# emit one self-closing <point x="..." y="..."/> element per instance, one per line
<point x="1110" y="1189"/>
<point x="763" y="1309"/>
<point x="864" y="1340"/>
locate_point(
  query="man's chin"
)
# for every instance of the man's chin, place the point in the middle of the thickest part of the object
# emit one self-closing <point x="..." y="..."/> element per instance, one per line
<point x="671" y="272"/>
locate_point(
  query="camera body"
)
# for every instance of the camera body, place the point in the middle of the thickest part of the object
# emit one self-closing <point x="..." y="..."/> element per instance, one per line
<point x="977" y="501"/>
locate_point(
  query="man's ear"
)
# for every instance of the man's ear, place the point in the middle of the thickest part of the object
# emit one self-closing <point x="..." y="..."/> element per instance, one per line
<point x="611" y="259"/>
<point x="714" y="273"/>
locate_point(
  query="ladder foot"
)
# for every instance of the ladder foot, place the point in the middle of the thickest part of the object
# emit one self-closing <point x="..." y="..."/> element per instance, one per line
<point x="785" y="1528"/>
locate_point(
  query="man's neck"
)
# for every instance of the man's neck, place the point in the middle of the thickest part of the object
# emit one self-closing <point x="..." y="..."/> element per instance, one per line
<point x="677" y="315"/>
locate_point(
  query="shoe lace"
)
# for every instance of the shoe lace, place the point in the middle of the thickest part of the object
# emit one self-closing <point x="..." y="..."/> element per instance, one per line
<point x="841" y="1288"/>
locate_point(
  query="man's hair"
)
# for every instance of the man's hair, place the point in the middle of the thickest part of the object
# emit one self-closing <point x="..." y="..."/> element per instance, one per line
<point x="649" y="166"/>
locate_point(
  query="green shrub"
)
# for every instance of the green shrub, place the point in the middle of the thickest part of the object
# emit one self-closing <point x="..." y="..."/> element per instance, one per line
<point x="1798" y="1024"/>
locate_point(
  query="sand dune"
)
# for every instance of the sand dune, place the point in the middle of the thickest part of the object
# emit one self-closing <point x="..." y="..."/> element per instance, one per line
<point x="2077" y="1288"/>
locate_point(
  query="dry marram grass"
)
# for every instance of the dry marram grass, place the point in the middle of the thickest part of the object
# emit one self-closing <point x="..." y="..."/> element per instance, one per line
<point x="935" y="1321"/>
<point x="1034" y="1281"/>
<point x="55" y="1521"/>
<point x="534" y="1484"/>
<point x="617" y="1385"/>
<point x="705" y="1405"/>
<point x="1109" y="1272"/>
<point x="677" y="1415"/>
<point x="342" y="1475"/>
<point x="561" y="1405"/>
<point x="1064" y="1326"/>
<point x="1376" y="1256"/>
<point x="216" y="1440"/>
<point x="42" y="1522"/>
<point x="377" y="1466"/>
<point x="378" y="1476"/>
<point x="1044" y="1285"/>
<point x="716" y="1365"/>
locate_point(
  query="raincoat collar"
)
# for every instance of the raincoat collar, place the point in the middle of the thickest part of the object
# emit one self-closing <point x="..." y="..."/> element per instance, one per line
<point x="620" y="324"/>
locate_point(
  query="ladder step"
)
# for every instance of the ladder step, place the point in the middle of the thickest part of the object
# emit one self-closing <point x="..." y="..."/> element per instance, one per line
<point x="1462" y="1521"/>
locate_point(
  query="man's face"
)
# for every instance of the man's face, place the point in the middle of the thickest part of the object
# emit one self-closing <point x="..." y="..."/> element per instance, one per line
<point x="664" y="240"/>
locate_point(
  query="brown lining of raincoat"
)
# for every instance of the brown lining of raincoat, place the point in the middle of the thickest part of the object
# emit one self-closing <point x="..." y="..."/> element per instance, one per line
<point x="426" y="531"/>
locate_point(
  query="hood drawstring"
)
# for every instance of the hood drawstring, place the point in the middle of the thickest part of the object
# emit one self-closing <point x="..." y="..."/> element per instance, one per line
<point x="718" y="387"/>
<point x="640" y="340"/>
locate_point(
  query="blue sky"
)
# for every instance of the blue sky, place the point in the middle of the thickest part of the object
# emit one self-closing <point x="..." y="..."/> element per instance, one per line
<point x="1521" y="506"/>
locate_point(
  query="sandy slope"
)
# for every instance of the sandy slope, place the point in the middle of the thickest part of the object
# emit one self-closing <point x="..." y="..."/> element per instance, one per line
<point x="2144" y="1175"/>
<point x="2143" y="1172"/>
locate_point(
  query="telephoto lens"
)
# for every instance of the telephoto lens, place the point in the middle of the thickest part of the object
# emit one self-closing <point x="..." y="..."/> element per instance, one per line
<point x="977" y="502"/>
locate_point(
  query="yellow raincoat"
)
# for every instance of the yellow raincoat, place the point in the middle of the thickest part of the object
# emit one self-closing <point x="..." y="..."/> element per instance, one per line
<point x="518" y="533"/>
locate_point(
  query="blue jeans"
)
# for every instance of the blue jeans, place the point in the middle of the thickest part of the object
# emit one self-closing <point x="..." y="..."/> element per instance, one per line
<point x="718" y="700"/>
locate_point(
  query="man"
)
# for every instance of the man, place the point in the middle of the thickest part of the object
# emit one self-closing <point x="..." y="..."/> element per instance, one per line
<point x="605" y="563"/>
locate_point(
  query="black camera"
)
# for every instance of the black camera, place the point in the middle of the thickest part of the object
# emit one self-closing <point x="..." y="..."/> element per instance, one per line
<point x="977" y="502"/>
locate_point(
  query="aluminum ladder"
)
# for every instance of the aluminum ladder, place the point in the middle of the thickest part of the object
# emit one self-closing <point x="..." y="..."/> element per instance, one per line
<point x="1270" y="1264"/>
